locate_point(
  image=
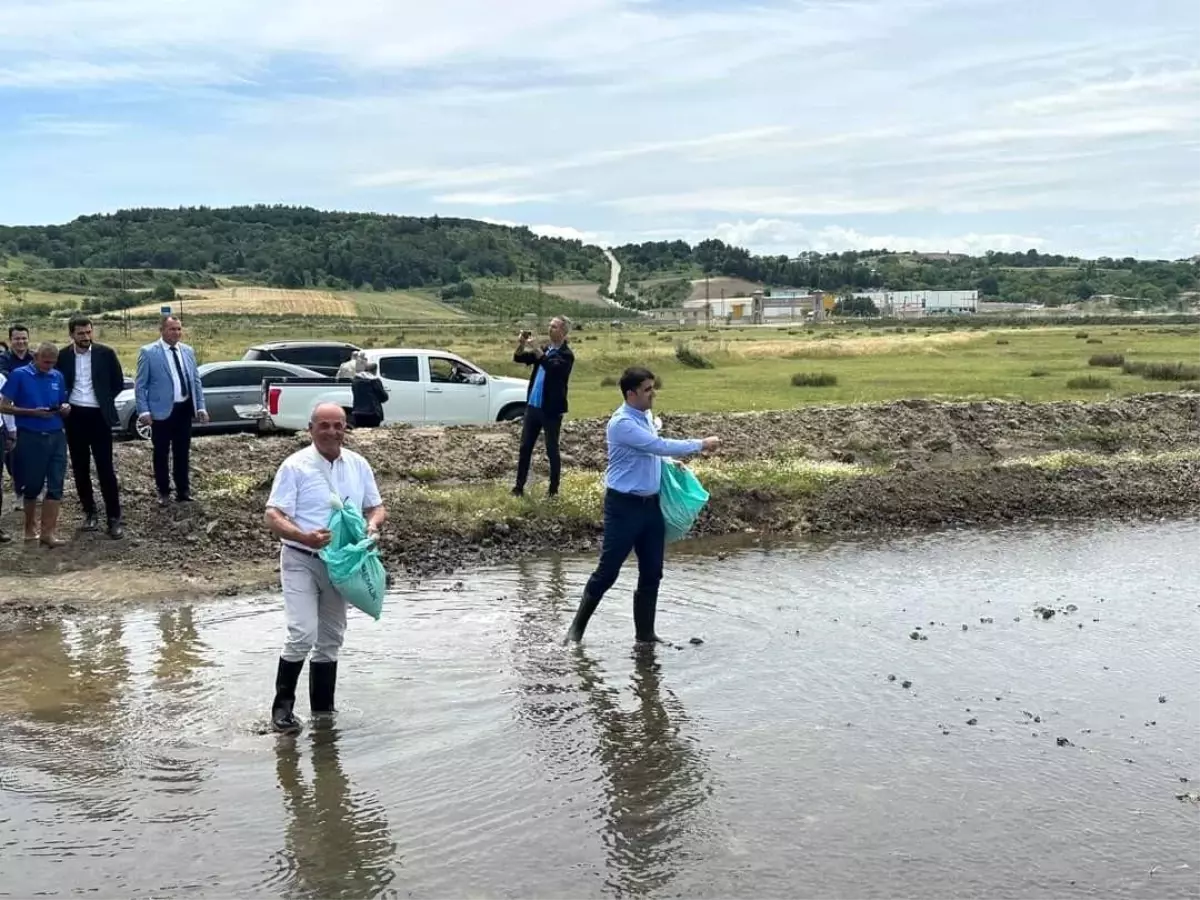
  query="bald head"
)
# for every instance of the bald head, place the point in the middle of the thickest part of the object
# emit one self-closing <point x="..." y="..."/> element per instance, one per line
<point x="327" y="428"/>
<point x="327" y="412"/>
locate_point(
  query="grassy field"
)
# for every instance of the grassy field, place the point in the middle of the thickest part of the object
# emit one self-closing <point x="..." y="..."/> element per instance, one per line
<point x="410" y="306"/>
<point x="753" y="368"/>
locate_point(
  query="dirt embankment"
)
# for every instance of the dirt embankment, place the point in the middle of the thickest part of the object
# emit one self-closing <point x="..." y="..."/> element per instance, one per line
<point x="933" y="464"/>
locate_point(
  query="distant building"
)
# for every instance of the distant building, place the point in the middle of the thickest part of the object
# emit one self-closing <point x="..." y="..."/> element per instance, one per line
<point x="806" y="305"/>
<point x="914" y="304"/>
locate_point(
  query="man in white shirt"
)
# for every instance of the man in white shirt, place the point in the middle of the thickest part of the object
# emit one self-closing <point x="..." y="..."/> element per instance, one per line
<point x="298" y="511"/>
<point x="93" y="376"/>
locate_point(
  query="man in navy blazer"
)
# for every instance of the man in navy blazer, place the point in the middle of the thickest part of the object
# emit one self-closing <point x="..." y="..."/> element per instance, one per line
<point x="169" y="396"/>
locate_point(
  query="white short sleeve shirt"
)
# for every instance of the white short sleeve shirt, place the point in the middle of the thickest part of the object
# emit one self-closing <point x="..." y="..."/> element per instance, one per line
<point x="302" y="493"/>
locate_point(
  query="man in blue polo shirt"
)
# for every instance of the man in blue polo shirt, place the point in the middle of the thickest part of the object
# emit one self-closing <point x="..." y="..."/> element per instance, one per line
<point x="632" y="516"/>
<point x="36" y="397"/>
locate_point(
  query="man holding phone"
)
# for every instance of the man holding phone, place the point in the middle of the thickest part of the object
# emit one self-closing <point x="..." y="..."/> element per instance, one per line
<point x="546" y="399"/>
<point x="36" y="396"/>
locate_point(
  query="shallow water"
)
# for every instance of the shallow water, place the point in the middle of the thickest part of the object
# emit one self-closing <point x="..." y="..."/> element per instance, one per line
<point x="475" y="756"/>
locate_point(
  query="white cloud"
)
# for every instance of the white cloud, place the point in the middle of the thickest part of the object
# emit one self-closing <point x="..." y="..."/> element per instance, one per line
<point x="788" y="237"/>
<point x="492" y="174"/>
<point x="494" y="198"/>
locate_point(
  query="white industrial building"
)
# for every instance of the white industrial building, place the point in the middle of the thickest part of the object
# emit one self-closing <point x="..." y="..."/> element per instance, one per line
<point x="912" y="304"/>
<point x="797" y="306"/>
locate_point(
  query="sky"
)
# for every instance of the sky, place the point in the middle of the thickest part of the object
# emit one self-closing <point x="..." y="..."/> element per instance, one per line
<point x="1071" y="126"/>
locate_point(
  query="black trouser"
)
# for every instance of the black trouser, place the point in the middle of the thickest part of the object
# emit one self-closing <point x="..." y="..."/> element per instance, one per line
<point x="632" y="523"/>
<point x="89" y="436"/>
<point x="367" y="419"/>
<point x="172" y="439"/>
<point x="537" y="421"/>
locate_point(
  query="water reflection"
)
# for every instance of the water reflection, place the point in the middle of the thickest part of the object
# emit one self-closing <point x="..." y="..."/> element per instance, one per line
<point x="180" y="650"/>
<point x="339" y="841"/>
<point x="657" y="780"/>
<point x="74" y="676"/>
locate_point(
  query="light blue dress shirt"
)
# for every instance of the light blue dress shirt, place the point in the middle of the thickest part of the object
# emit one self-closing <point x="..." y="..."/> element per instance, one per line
<point x="539" y="381"/>
<point x="635" y="451"/>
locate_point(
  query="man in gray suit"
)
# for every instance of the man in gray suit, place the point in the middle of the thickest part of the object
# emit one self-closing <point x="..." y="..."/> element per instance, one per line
<point x="169" y="396"/>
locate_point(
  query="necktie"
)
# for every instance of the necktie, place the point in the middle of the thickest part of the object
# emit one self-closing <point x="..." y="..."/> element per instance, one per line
<point x="183" y="382"/>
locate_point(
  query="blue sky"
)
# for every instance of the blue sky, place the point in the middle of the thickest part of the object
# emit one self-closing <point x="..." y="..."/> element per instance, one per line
<point x="1068" y="125"/>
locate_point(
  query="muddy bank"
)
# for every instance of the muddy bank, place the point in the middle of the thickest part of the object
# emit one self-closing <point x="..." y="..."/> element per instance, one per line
<point x="931" y="464"/>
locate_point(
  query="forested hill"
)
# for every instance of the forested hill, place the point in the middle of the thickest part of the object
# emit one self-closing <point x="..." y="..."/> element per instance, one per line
<point x="300" y="247"/>
<point x="1028" y="276"/>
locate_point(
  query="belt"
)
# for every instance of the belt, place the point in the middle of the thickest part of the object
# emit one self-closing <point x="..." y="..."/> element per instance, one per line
<point x="635" y="498"/>
<point x="315" y="554"/>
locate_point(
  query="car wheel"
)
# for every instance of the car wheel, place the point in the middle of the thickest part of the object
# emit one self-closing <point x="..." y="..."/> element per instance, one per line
<point x="137" y="429"/>
<point x="512" y="413"/>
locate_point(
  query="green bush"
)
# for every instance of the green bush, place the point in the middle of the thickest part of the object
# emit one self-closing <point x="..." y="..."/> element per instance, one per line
<point x="1081" y="335"/>
<point x="1176" y="371"/>
<point x="1107" y="360"/>
<point x="814" y="379"/>
<point x="1089" y="383"/>
<point x="1038" y="373"/>
<point x="690" y="358"/>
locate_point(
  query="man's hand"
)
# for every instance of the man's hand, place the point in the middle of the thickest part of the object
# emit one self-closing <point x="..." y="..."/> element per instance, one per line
<point x="202" y="417"/>
<point x="317" y="539"/>
<point x="64" y="409"/>
<point x="144" y="419"/>
<point x="710" y="443"/>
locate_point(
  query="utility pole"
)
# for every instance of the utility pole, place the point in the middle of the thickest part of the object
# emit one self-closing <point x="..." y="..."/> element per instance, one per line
<point x="707" y="302"/>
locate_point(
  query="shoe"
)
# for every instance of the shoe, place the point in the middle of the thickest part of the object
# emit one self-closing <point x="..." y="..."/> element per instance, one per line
<point x="51" y="542"/>
<point x="518" y="492"/>
<point x="4" y="537"/>
<point x="164" y="499"/>
<point x="183" y="498"/>
<point x="587" y="606"/>
<point x="283" y="720"/>
<point x="90" y="523"/>
<point x="322" y="681"/>
<point x="116" y="530"/>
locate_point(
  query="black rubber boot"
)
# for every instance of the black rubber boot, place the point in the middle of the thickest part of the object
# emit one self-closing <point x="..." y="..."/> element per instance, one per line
<point x="587" y="606"/>
<point x="286" y="677"/>
<point x="645" y="609"/>
<point x="322" y="680"/>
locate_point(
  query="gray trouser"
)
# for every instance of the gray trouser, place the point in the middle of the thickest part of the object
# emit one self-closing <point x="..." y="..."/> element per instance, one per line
<point x="315" y="611"/>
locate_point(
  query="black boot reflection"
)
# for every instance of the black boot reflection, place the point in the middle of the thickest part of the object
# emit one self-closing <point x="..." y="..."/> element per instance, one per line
<point x="339" y="840"/>
<point x="657" y="780"/>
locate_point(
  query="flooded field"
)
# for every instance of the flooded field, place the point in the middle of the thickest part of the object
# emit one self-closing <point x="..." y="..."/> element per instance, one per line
<point x="880" y="719"/>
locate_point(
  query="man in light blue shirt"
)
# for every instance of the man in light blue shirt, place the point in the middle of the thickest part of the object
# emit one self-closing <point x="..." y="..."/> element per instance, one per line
<point x="632" y="518"/>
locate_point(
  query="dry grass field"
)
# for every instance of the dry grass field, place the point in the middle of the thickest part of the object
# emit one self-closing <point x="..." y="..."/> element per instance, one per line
<point x="252" y="300"/>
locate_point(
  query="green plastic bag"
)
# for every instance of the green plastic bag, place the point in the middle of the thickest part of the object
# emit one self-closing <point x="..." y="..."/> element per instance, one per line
<point x="681" y="497"/>
<point x="353" y="560"/>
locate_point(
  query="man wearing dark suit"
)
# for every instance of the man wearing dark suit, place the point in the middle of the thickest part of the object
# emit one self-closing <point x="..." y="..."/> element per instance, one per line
<point x="94" y="378"/>
<point x="169" y="395"/>
<point x="546" y="402"/>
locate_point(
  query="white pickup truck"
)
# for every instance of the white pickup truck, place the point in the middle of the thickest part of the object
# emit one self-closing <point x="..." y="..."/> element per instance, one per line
<point x="424" y="387"/>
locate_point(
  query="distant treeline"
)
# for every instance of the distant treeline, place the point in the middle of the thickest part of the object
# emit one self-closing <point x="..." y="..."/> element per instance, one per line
<point x="1014" y="277"/>
<point x="296" y="247"/>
